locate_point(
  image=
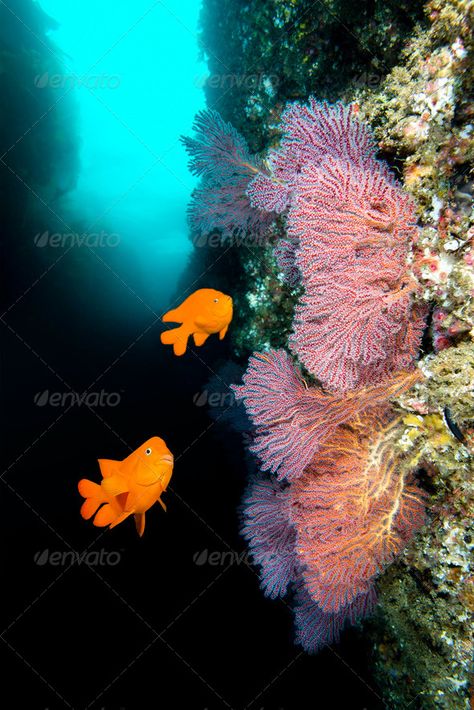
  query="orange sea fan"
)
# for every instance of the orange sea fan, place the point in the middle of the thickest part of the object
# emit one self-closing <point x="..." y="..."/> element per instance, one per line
<point x="354" y="510"/>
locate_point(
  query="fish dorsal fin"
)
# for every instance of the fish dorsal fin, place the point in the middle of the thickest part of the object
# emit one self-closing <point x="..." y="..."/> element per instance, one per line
<point x="176" y="315"/>
<point x="115" y="484"/>
<point x="108" y="467"/>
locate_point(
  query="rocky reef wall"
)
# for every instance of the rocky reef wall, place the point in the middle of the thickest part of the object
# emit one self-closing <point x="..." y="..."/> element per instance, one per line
<point x="408" y="67"/>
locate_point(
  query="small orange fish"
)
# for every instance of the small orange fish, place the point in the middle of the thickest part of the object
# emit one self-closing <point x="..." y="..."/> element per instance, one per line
<point x="202" y="314"/>
<point x="128" y="487"/>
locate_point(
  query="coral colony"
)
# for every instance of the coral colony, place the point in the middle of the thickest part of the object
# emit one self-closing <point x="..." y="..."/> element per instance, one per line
<point x="334" y="502"/>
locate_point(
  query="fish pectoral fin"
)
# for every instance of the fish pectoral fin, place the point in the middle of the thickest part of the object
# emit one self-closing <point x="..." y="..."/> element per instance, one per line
<point x="178" y="338"/>
<point x="223" y="332"/>
<point x="140" y="523"/>
<point x="148" y="476"/>
<point x="120" y="518"/>
<point x="200" y="338"/>
<point x="201" y="323"/>
<point x="162" y="504"/>
<point x="114" y="485"/>
<point x="129" y="509"/>
<point x="107" y="467"/>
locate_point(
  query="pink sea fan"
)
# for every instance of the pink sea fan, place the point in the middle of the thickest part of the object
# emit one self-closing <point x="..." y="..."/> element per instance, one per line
<point x="320" y="129"/>
<point x="350" y="334"/>
<point x="311" y="133"/>
<point x="293" y="420"/>
<point x="220" y="155"/>
<point x="354" y="229"/>
<point x="353" y="226"/>
<point x="354" y="510"/>
<point x="315" y="628"/>
<point x="342" y="211"/>
<point x="270" y="535"/>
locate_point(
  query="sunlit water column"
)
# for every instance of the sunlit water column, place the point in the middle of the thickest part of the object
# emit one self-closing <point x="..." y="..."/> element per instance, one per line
<point x="134" y="72"/>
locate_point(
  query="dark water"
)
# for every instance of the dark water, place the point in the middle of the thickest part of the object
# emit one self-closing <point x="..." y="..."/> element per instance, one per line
<point x="167" y="621"/>
<point x="79" y="626"/>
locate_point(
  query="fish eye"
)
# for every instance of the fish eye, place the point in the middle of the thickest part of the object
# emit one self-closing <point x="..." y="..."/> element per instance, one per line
<point x="216" y="300"/>
<point x="147" y="451"/>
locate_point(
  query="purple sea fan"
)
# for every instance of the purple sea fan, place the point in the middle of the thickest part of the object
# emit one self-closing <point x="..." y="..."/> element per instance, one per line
<point x="285" y="257"/>
<point x="315" y="628"/>
<point x="217" y="148"/>
<point x="268" y="193"/>
<point x="293" y="420"/>
<point x="270" y="535"/>
<point x="220" y="155"/>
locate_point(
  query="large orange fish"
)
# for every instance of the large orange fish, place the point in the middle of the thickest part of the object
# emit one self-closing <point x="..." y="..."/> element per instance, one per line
<point x="128" y="487"/>
<point x="203" y="313"/>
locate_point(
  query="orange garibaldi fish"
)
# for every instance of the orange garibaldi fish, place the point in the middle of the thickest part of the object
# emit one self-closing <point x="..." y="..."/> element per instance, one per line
<point x="202" y="314"/>
<point x="128" y="487"/>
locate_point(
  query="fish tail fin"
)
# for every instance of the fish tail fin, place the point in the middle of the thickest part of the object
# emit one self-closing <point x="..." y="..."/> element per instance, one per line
<point x="105" y="516"/>
<point x="178" y="338"/>
<point x="93" y="495"/>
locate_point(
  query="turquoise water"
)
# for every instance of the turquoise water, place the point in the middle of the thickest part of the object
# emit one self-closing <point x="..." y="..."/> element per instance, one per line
<point x="133" y="183"/>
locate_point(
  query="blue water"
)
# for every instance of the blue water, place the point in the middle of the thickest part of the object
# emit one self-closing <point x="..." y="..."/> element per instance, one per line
<point x="133" y="70"/>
